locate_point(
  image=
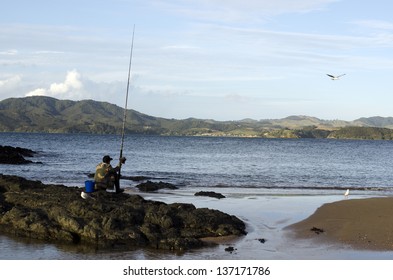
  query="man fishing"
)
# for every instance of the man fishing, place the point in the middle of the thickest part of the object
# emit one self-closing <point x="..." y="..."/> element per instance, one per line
<point x="107" y="177"/>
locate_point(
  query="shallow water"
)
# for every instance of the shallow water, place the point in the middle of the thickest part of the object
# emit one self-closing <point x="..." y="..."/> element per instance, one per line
<point x="266" y="218"/>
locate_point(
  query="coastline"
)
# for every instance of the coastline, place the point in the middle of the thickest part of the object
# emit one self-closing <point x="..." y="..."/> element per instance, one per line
<point x="269" y="220"/>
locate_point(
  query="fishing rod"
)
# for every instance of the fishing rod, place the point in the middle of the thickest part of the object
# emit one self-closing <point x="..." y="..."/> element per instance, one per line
<point x="125" y="106"/>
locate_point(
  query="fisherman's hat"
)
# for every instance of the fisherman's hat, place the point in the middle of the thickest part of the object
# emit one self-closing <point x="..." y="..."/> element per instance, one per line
<point x="106" y="158"/>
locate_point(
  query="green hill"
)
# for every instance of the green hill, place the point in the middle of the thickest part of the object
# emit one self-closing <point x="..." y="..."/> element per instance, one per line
<point x="363" y="133"/>
<point x="375" y="122"/>
<point x="46" y="114"/>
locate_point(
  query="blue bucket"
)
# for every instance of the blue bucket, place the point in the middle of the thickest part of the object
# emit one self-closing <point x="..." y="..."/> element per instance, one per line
<point x="89" y="186"/>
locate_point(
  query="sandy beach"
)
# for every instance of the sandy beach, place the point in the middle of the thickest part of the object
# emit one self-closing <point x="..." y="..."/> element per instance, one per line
<point x="365" y="224"/>
<point x="279" y="226"/>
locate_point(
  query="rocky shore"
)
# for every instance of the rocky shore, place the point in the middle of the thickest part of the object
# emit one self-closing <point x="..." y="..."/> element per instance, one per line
<point x="15" y="155"/>
<point x="58" y="213"/>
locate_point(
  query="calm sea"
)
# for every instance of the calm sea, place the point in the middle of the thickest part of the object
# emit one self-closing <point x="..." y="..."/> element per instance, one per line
<point x="283" y="166"/>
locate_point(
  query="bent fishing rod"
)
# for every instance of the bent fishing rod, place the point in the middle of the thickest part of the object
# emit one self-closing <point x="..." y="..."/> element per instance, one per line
<point x="125" y="106"/>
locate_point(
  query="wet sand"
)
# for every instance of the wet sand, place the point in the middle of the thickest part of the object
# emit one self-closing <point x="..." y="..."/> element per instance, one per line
<point x="279" y="226"/>
<point x="359" y="223"/>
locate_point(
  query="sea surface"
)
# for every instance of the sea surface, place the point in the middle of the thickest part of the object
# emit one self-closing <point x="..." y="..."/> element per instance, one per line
<point x="269" y="183"/>
<point x="286" y="166"/>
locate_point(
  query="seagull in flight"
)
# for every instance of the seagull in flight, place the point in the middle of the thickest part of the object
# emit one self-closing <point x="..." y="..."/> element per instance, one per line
<point x="333" y="77"/>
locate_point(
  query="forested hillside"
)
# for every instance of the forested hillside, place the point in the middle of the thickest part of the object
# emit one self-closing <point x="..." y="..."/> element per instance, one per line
<point x="46" y="114"/>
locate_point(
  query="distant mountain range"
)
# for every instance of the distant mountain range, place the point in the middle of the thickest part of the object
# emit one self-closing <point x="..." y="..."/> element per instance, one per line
<point x="46" y="114"/>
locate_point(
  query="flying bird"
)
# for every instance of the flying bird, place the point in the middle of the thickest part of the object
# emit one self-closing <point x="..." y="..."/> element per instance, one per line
<point x="333" y="77"/>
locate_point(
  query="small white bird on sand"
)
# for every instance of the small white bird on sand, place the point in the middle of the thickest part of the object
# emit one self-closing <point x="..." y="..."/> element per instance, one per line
<point x="346" y="194"/>
<point x="333" y="77"/>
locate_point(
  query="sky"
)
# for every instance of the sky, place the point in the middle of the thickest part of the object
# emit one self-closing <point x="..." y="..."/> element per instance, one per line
<point x="207" y="59"/>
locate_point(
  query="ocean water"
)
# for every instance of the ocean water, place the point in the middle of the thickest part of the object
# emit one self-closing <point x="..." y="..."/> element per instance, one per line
<point x="268" y="183"/>
<point x="283" y="166"/>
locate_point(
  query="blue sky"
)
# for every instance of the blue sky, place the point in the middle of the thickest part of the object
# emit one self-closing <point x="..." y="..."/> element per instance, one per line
<point x="209" y="59"/>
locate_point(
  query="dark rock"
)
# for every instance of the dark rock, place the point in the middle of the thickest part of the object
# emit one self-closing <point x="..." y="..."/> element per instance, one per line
<point x="58" y="213"/>
<point x="150" y="186"/>
<point x="230" y="249"/>
<point x="262" y="240"/>
<point x="317" y="230"/>
<point x="135" y="178"/>
<point x="210" y="194"/>
<point x="131" y="178"/>
<point x="12" y="155"/>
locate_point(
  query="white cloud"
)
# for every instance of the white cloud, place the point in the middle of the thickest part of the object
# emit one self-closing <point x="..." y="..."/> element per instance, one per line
<point x="9" y="52"/>
<point x="48" y="52"/>
<point x="272" y="7"/>
<point x="72" y="82"/>
<point x="375" y="24"/>
<point x="180" y="47"/>
<point x="240" y="10"/>
<point x="10" y="82"/>
<point x="72" y="87"/>
<point x="37" y="92"/>
<point x="77" y="87"/>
